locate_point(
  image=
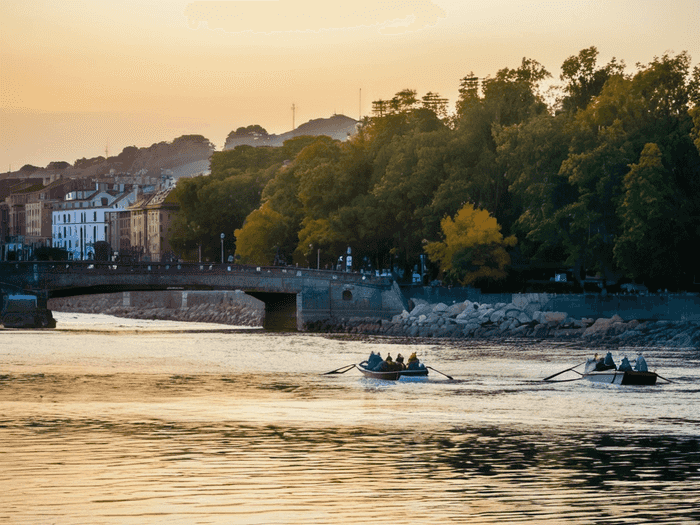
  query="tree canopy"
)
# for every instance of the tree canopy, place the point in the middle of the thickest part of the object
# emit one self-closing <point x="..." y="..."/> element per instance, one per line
<point x="604" y="180"/>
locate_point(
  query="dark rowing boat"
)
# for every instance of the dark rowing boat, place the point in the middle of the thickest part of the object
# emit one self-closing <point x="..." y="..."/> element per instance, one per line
<point x="391" y="375"/>
<point x="617" y="377"/>
<point x="604" y="371"/>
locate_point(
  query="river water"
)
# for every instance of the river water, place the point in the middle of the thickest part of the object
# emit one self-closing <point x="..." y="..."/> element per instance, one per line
<point x="118" y="421"/>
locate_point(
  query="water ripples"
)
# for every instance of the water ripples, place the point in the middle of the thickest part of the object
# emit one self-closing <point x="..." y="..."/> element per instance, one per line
<point x="253" y="433"/>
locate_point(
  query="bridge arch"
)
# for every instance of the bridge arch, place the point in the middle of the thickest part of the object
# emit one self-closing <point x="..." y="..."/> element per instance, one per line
<point x="294" y="297"/>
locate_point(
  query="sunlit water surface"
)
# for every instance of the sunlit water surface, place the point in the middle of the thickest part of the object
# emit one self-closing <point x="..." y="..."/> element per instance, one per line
<point x="118" y="421"/>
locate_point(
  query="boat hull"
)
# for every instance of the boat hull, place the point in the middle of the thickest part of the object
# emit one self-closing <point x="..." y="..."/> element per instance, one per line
<point x="392" y="375"/>
<point x="615" y="377"/>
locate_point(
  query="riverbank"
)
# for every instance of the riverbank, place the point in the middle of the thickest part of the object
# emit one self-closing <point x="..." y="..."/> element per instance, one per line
<point x="467" y="320"/>
<point x="501" y="321"/>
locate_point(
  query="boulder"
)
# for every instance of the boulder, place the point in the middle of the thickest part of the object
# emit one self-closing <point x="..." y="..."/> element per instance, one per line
<point x="456" y="309"/>
<point x="484" y="317"/>
<point x="540" y="331"/>
<point x="440" y="307"/>
<point x="598" y="329"/>
<point x="512" y="312"/>
<point x="469" y="329"/>
<point x="554" y="318"/>
<point x="420" y="309"/>
<point x="523" y="318"/>
<point x="497" y="316"/>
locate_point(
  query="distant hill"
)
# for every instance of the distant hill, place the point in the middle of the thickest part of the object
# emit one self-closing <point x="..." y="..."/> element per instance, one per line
<point x="338" y="127"/>
<point x="185" y="156"/>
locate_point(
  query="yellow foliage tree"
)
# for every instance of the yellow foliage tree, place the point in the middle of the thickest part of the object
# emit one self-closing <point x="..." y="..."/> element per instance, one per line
<point x="473" y="247"/>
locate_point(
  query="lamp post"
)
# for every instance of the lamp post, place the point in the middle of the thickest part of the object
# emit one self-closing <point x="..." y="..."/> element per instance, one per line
<point x="222" y="248"/>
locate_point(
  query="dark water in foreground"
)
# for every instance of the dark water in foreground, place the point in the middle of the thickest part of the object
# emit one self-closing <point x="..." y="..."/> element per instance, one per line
<point x="137" y="422"/>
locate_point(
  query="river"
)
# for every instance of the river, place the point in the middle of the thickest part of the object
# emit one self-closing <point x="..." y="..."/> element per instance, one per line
<point x="120" y="421"/>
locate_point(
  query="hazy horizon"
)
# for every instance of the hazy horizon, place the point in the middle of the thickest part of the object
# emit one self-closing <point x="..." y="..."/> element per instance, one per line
<point x="80" y="77"/>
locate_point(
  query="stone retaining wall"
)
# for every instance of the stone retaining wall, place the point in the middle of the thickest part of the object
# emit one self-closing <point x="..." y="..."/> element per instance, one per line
<point x="230" y="308"/>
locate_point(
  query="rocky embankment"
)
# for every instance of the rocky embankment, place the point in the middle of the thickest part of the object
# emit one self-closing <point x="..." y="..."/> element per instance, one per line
<point x="464" y="320"/>
<point x="227" y="309"/>
<point x="468" y="320"/>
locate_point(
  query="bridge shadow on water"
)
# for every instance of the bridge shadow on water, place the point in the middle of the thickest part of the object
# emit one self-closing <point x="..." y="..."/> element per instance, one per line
<point x="280" y="311"/>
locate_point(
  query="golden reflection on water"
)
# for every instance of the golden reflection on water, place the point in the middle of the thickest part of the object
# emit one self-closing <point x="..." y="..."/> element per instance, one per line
<point x="168" y="426"/>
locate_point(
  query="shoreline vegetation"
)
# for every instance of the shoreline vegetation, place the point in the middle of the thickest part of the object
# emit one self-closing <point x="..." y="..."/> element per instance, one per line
<point x="462" y="321"/>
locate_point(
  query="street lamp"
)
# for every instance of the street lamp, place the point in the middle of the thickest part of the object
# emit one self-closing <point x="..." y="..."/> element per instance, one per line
<point x="222" y="248"/>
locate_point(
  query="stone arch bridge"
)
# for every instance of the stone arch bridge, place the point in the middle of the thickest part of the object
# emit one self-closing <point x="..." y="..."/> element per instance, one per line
<point x="293" y="297"/>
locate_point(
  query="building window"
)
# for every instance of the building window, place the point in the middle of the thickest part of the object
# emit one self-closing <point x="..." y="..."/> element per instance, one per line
<point x="347" y="295"/>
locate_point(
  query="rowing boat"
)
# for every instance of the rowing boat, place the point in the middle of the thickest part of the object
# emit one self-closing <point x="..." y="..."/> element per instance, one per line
<point x="617" y="377"/>
<point x="391" y="375"/>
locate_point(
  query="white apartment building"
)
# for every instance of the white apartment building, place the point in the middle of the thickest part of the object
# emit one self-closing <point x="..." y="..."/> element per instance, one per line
<point x="79" y="221"/>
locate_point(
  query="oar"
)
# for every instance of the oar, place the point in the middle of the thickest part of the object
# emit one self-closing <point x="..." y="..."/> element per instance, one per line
<point x="337" y="370"/>
<point x="438" y="371"/>
<point x="559" y="373"/>
<point x="657" y="375"/>
<point x="567" y="380"/>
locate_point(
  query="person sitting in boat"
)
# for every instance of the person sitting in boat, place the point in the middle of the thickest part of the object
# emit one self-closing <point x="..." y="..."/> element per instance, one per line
<point x="414" y="363"/>
<point x="641" y="364"/>
<point x="374" y="360"/>
<point x="399" y="365"/>
<point x="625" y="365"/>
<point x="606" y="363"/>
<point x="386" y="365"/>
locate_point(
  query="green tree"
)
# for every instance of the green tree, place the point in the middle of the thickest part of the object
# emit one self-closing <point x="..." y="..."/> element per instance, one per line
<point x="264" y="231"/>
<point x="646" y="245"/>
<point x="583" y="80"/>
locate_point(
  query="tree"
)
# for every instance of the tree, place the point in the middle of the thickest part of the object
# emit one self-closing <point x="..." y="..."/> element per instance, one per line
<point x="435" y="103"/>
<point x="530" y="154"/>
<point x="260" y="237"/>
<point x="583" y="80"/>
<point x="646" y="247"/>
<point x="473" y="247"/>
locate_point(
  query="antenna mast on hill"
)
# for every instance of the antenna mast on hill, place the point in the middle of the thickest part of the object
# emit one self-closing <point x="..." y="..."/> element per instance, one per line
<point x="293" y="110"/>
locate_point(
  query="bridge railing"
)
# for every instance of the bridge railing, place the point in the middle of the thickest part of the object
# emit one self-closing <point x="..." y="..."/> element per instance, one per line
<point x="19" y="268"/>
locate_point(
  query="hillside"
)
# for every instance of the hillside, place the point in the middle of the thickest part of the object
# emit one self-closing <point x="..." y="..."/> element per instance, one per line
<point x="185" y="156"/>
<point x="338" y="127"/>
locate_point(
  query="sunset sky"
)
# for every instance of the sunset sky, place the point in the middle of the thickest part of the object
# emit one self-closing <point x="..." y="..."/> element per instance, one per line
<point x="77" y="76"/>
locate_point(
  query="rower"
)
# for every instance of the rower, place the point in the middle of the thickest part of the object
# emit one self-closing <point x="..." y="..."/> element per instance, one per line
<point x="414" y="363"/>
<point x="625" y="365"/>
<point x="374" y="360"/>
<point x="641" y="364"/>
<point x="386" y="365"/>
<point x="399" y="363"/>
